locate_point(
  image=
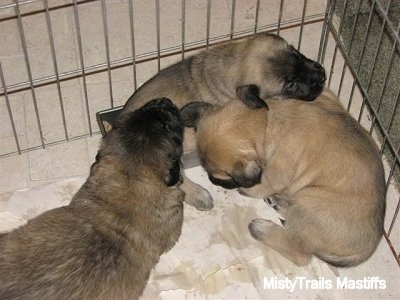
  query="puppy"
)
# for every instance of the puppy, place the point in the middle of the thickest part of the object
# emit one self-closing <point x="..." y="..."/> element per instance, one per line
<point x="311" y="161"/>
<point x="266" y="60"/>
<point x="104" y="244"/>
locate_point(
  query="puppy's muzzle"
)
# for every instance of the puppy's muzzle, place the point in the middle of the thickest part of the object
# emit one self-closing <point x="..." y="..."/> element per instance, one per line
<point x="225" y="183"/>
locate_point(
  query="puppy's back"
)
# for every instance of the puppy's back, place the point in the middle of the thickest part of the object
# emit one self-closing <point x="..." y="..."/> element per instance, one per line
<point x="339" y="178"/>
<point x="61" y="256"/>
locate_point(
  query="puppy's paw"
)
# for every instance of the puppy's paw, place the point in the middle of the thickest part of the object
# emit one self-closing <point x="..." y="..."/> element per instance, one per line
<point x="196" y="195"/>
<point x="278" y="204"/>
<point x="259" y="228"/>
<point x="200" y="198"/>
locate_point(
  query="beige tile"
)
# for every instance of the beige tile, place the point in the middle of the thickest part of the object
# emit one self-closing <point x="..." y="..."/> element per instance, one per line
<point x="16" y="102"/>
<point x="311" y="39"/>
<point x="14" y="69"/>
<point x="309" y="46"/>
<point x="38" y="46"/>
<point x="123" y="85"/>
<point x="119" y="32"/>
<point x="59" y="161"/>
<point x="8" y="34"/>
<point x="50" y="114"/>
<point x="14" y="170"/>
<point x="8" y="145"/>
<point x="91" y="28"/>
<point x="314" y="6"/>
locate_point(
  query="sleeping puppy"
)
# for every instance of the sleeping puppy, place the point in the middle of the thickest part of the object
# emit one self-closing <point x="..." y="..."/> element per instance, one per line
<point x="311" y="161"/>
<point x="266" y="60"/>
<point x="104" y="244"/>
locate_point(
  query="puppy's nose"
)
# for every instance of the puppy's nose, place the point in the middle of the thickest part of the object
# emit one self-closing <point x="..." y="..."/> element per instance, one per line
<point x="322" y="76"/>
<point x="320" y="73"/>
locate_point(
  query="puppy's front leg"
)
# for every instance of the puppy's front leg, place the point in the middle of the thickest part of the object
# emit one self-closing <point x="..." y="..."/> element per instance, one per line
<point x="256" y="191"/>
<point x="196" y="195"/>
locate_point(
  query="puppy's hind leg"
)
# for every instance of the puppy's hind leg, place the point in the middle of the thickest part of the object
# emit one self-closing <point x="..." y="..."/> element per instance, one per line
<point x="278" y="239"/>
<point x="196" y="195"/>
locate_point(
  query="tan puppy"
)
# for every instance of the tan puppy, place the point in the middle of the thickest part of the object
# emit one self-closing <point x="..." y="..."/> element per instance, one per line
<point x="104" y="244"/>
<point x="311" y="161"/>
<point x="213" y="76"/>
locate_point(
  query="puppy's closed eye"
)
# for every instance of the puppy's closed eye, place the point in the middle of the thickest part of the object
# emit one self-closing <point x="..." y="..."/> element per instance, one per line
<point x="247" y="174"/>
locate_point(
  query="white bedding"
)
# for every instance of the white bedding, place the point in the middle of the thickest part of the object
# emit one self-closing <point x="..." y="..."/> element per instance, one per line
<point x="216" y="258"/>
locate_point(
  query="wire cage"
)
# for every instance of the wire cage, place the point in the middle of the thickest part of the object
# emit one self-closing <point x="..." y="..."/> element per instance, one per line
<point x="63" y="61"/>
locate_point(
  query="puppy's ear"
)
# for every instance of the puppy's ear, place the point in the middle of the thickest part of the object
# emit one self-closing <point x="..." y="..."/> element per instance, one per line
<point x="247" y="174"/>
<point x="172" y="176"/>
<point x="192" y="112"/>
<point x="250" y="96"/>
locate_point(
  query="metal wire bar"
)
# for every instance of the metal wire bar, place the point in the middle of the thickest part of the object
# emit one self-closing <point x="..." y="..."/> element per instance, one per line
<point x="349" y="51"/>
<point x="396" y="255"/>
<point x="324" y="33"/>
<point x="49" y="144"/>
<point x="158" y="35"/>
<point x="107" y="45"/>
<point x="38" y="11"/>
<point x="55" y="66"/>
<point x="388" y="69"/>
<point x="149" y="56"/>
<point x="359" y="64"/>
<point x="10" y="5"/>
<point x="360" y="61"/>
<point x="280" y="17"/>
<point x="336" y="45"/>
<point x="393" y="111"/>
<point x="208" y="23"/>
<point x="82" y="70"/>
<point x="132" y="31"/>
<point x="388" y="182"/>
<point x="363" y="90"/>
<point x="10" y="115"/>
<point x="303" y="14"/>
<point x="388" y="22"/>
<point x="232" y="19"/>
<point x="28" y="69"/>
<point x="183" y="7"/>
<point x="396" y="213"/>
<point x="378" y="47"/>
<point x="256" y="16"/>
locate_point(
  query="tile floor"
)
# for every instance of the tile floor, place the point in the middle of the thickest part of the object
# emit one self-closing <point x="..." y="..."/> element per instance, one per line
<point x="74" y="158"/>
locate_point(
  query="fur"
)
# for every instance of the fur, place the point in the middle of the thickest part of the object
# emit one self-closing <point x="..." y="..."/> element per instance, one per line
<point x="213" y="76"/>
<point x="320" y="170"/>
<point x="104" y="244"/>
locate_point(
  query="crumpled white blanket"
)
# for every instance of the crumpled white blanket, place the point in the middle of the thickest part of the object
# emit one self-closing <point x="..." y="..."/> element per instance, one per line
<point x="216" y="258"/>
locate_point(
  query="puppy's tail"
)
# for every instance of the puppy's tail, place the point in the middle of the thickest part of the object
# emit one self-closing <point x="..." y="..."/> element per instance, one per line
<point x="344" y="261"/>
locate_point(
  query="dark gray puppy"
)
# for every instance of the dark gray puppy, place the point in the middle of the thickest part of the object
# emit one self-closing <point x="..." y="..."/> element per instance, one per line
<point x="104" y="244"/>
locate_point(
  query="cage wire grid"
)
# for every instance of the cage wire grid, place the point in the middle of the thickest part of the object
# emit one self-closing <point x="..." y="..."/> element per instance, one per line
<point x="342" y="21"/>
